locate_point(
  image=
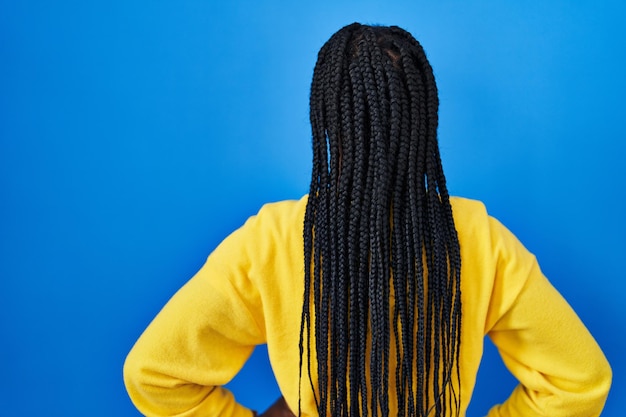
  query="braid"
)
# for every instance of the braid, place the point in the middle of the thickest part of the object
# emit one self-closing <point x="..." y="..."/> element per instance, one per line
<point x="381" y="253"/>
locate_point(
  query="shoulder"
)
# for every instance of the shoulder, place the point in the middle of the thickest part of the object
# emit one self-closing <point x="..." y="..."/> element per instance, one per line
<point x="281" y="211"/>
<point x="463" y="207"/>
<point x="470" y="218"/>
<point x="275" y="226"/>
<point x="491" y="253"/>
<point x="486" y="243"/>
<point x="265" y="242"/>
<point x="276" y="219"/>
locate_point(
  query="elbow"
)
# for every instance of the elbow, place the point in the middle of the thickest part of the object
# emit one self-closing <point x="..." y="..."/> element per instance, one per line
<point x="593" y="390"/>
<point x="600" y="383"/>
<point x="140" y="387"/>
<point x="145" y="392"/>
<point x="155" y="392"/>
<point x="131" y="375"/>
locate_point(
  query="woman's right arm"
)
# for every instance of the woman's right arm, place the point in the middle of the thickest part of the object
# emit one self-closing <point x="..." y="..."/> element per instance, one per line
<point x="560" y="367"/>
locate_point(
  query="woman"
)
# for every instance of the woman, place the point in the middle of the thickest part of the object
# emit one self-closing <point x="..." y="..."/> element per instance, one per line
<point x="375" y="291"/>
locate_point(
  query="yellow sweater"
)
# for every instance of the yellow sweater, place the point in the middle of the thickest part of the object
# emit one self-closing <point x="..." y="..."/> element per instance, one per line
<point x="249" y="292"/>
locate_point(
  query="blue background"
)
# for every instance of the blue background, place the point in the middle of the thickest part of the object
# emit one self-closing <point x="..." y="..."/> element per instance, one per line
<point x="134" y="136"/>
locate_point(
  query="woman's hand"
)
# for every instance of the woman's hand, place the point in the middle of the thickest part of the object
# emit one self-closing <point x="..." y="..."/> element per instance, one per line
<point x="278" y="409"/>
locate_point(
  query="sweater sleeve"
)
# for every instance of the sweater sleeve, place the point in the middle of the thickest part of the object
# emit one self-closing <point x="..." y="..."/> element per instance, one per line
<point x="200" y="339"/>
<point x="561" y="369"/>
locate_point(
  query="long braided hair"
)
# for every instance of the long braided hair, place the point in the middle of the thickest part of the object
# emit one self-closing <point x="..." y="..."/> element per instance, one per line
<point x="379" y="235"/>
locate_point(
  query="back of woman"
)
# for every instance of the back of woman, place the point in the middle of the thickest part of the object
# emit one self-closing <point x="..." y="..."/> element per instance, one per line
<point x="375" y="291"/>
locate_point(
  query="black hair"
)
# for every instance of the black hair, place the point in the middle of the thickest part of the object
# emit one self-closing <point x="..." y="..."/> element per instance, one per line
<point x="381" y="252"/>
